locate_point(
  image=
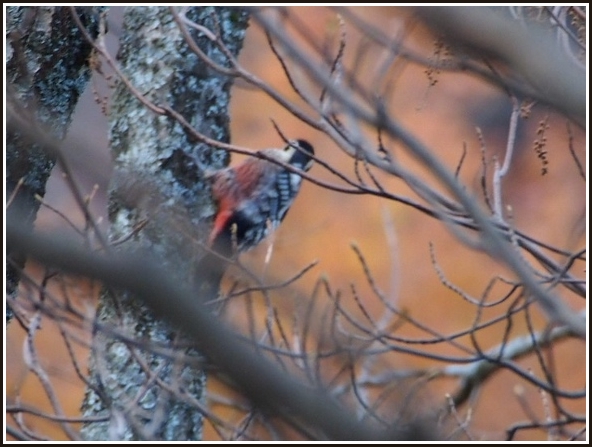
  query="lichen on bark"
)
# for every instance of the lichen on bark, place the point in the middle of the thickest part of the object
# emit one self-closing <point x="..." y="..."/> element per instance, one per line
<point x="157" y="185"/>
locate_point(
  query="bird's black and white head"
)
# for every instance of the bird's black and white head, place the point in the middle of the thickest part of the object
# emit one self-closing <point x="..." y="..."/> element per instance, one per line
<point x="300" y="152"/>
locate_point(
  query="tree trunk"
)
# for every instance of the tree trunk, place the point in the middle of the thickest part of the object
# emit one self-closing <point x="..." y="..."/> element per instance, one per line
<point x="46" y="70"/>
<point x="158" y="201"/>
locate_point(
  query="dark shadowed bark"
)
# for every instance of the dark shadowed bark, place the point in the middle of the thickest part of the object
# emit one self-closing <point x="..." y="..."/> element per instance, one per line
<point x="46" y="71"/>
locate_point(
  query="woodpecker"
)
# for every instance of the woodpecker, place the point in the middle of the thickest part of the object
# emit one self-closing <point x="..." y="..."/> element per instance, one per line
<point x="254" y="197"/>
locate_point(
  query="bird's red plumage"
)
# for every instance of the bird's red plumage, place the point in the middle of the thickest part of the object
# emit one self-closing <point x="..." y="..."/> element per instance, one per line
<point x="231" y="185"/>
<point x="256" y="195"/>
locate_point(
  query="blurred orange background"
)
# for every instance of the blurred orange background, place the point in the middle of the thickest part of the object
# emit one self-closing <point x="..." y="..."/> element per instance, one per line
<point x="393" y="238"/>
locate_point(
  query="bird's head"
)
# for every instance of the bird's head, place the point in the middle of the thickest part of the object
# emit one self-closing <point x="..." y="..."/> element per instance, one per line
<point x="300" y="154"/>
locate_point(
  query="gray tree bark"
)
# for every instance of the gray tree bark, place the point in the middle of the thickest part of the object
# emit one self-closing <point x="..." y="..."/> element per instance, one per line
<point x="46" y="70"/>
<point x="158" y="201"/>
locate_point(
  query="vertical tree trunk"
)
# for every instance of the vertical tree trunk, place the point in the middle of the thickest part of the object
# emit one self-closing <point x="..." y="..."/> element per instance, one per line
<point x="46" y="72"/>
<point x="159" y="188"/>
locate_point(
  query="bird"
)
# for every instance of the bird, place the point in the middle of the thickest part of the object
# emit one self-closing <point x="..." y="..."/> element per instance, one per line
<point x="254" y="197"/>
